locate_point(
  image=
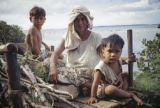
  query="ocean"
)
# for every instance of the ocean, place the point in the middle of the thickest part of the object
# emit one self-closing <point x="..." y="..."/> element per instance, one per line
<point x="140" y="32"/>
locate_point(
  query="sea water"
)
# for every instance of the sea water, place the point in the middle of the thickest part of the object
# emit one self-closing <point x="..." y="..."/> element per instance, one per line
<point x="139" y="32"/>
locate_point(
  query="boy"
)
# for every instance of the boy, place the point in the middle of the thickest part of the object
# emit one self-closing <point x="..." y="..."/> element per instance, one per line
<point x="108" y="79"/>
<point x="34" y="36"/>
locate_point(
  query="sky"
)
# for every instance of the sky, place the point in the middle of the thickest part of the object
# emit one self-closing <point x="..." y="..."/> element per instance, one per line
<point x="105" y="12"/>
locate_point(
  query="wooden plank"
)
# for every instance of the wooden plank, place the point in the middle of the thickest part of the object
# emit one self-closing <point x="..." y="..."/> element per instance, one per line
<point x="103" y="103"/>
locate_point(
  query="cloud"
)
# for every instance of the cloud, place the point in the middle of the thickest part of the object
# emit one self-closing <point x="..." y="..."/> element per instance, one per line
<point x="134" y="12"/>
<point x="138" y="6"/>
<point x="105" y="12"/>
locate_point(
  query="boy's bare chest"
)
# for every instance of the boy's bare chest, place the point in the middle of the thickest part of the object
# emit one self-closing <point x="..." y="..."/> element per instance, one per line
<point x="39" y="35"/>
<point x="36" y="35"/>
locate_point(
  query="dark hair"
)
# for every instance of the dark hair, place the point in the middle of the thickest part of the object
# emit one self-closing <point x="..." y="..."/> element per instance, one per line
<point x="37" y="11"/>
<point x="113" y="39"/>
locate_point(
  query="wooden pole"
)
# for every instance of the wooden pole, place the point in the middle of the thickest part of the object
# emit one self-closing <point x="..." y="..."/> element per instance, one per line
<point x="13" y="76"/>
<point x="52" y="48"/>
<point x="130" y="52"/>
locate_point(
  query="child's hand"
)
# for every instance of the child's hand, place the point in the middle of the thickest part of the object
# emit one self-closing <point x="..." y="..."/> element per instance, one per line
<point x="47" y="48"/>
<point x="126" y="60"/>
<point x="91" y="100"/>
<point x="132" y="58"/>
<point x="119" y="82"/>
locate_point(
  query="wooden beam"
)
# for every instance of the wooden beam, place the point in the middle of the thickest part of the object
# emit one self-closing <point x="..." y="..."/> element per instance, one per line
<point x="19" y="47"/>
<point x="130" y="52"/>
<point x="52" y="48"/>
<point x="13" y="76"/>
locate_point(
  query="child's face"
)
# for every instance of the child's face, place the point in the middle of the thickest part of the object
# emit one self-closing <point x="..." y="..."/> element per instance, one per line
<point x="111" y="53"/>
<point x="38" y="21"/>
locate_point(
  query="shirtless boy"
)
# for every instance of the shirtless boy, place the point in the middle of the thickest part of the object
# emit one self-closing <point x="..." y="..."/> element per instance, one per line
<point x="34" y="36"/>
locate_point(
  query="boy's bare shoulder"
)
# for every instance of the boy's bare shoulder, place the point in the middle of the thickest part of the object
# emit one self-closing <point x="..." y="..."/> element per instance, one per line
<point x="32" y="30"/>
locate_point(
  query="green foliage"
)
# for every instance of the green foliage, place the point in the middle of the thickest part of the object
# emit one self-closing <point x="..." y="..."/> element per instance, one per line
<point x="149" y="64"/>
<point x="147" y="82"/>
<point x="10" y="33"/>
<point x="35" y="65"/>
<point x="150" y="56"/>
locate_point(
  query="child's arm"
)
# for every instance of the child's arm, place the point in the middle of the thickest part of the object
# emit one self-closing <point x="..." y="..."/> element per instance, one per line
<point x="126" y="60"/>
<point x="97" y="78"/>
<point x="34" y="42"/>
<point x="46" y="46"/>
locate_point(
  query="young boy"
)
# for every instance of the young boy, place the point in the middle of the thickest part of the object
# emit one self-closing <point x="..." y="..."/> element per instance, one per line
<point x="108" y="80"/>
<point x="34" y="36"/>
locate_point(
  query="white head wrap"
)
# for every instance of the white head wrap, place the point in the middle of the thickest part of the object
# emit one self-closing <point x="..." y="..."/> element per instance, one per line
<point x="72" y="40"/>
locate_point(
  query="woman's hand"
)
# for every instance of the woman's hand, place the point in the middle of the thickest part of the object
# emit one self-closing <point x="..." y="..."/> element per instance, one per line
<point x="91" y="100"/>
<point x="52" y="77"/>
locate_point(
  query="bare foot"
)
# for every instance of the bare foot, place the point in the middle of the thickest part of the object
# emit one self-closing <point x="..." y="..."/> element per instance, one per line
<point x="137" y="99"/>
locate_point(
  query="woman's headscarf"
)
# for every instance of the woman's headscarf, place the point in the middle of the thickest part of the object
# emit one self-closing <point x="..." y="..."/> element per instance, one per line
<point x="72" y="40"/>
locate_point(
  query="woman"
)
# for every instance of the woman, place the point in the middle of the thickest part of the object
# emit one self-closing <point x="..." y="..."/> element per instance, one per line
<point x="80" y="44"/>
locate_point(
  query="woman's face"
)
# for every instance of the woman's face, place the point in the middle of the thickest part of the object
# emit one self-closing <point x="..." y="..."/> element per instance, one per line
<point x="81" y="24"/>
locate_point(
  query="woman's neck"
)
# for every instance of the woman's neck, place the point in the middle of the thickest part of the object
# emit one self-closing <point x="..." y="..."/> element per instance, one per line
<point x="84" y="35"/>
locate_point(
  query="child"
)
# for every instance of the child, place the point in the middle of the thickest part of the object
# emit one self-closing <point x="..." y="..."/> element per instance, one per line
<point x="34" y="36"/>
<point x="108" y="80"/>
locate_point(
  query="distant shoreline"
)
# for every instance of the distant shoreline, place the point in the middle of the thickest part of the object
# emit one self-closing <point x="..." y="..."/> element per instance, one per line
<point x="102" y="26"/>
<point x="127" y="25"/>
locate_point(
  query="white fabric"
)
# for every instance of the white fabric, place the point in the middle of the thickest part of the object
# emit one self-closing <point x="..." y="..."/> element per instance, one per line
<point x="72" y="40"/>
<point x="85" y="54"/>
<point x="108" y="73"/>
